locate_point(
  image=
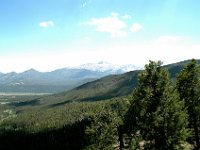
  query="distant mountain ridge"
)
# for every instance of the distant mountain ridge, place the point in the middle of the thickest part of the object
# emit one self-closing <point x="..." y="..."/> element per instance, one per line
<point x="105" y="66"/>
<point x="33" y="81"/>
<point x="58" y="80"/>
<point x="106" y="88"/>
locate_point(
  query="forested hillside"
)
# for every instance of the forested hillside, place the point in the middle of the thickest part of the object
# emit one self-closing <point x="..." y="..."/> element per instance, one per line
<point x="107" y="87"/>
<point x="137" y="110"/>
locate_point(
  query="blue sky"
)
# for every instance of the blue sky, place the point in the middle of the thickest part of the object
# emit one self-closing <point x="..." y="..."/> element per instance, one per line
<point x="51" y="34"/>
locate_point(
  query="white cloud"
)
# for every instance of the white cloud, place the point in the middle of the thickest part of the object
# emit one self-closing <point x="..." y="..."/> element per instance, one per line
<point x="136" y="53"/>
<point x="168" y="39"/>
<point x="114" y="14"/>
<point x="126" y="16"/>
<point x="46" y="24"/>
<point x="111" y="24"/>
<point x="136" y="27"/>
<point x="197" y="46"/>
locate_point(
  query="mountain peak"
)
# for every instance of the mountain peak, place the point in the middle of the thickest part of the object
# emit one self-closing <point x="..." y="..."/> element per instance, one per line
<point x="30" y="71"/>
<point x="102" y="62"/>
<point x="104" y="66"/>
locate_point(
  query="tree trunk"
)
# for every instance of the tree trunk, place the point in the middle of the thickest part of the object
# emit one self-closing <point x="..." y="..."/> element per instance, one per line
<point x="120" y="137"/>
<point x="196" y="135"/>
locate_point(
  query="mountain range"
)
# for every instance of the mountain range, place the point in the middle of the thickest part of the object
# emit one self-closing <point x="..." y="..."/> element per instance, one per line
<point x="33" y="81"/>
<point x="108" y="67"/>
<point x="56" y="118"/>
<point x="109" y="87"/>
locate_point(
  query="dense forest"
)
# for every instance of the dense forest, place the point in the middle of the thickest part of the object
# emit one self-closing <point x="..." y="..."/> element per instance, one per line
<point x="162" y="113"/>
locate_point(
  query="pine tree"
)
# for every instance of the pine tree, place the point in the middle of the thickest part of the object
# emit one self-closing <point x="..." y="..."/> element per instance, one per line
<point x="188" y="85"/>
<point x="102" y="131"/>
<point x="156" y="118"/>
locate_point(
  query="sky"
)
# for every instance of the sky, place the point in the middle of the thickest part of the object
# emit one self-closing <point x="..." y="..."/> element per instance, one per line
<point x="51" y="34"/>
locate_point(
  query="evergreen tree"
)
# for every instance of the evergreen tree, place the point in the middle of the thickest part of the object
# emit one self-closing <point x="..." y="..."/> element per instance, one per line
<point x="105" y="130"/>
<point x="156" y="119"/>
<point x="188" y="85"/>
<point x="102" y="131"/>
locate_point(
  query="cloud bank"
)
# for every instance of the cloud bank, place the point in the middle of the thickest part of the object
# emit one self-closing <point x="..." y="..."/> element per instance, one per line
<point x="115" y="25"/>
<point x="136" y="27"/>
<point x="112" y="25"/>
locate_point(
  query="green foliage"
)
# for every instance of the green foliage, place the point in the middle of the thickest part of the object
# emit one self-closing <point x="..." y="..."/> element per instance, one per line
<point x="70" y="126"/>
<point x="96" y="116"/>
<point x="188" y="85"/>
<point x="105" y="88"/>
<point x="175" y="68"/>
<point x="16" y="137"/>
<point x="103" y="132"/>
<point x="156" y="115"/>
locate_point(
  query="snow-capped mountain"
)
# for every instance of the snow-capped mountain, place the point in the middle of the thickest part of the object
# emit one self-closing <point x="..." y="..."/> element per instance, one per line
<point x="129" y="67"/>
<point x="58" y="80"/>
<point x="100" y="66"/>
<point x="107" y="67"/>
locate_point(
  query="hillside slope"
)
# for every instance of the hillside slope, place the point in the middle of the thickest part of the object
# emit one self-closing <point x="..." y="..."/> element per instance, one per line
<point x="105" y="88"/>
<point x="101" y="89"/>
<point x="33" y="81"/>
